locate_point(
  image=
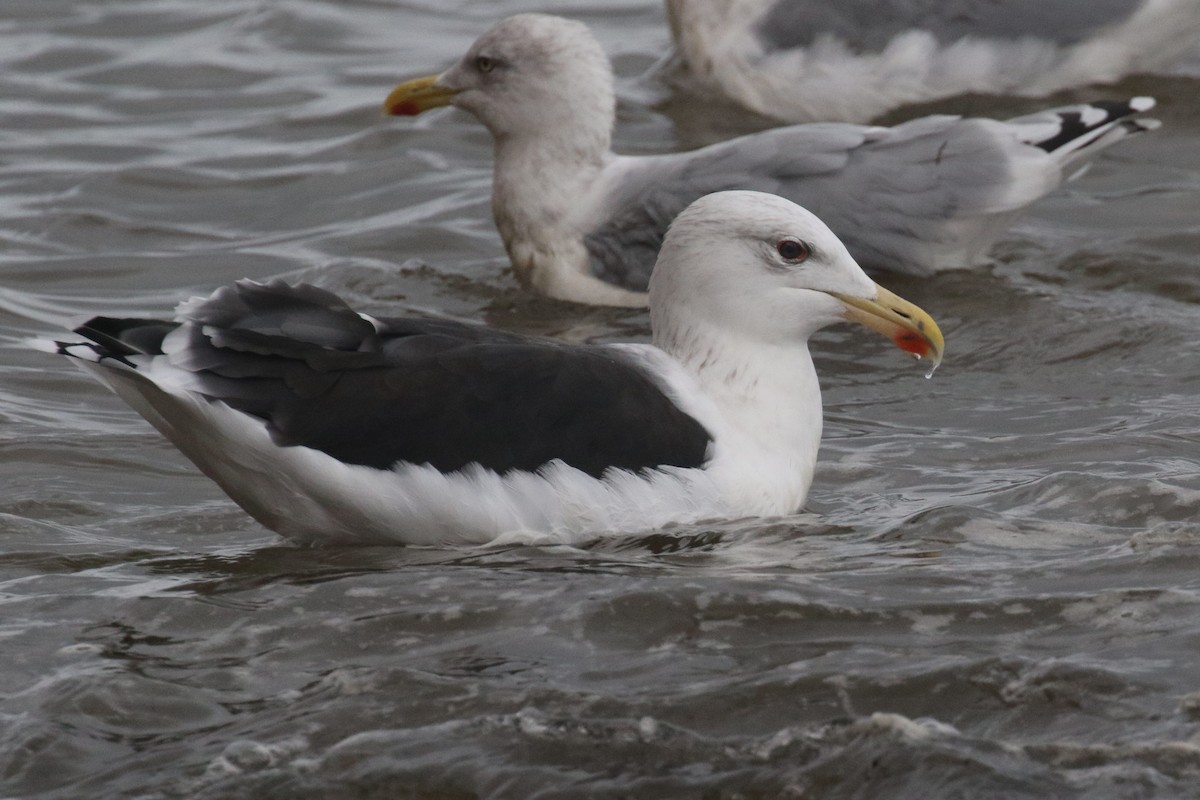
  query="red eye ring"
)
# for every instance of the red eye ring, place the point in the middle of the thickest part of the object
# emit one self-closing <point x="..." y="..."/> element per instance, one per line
<point x="793" y="251"/>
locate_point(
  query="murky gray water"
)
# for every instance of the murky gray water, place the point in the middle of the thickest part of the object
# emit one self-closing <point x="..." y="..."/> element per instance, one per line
<point x="995" y="593"/>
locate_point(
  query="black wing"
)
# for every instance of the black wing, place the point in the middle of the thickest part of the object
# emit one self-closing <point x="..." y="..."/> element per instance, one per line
<point x="414" y="390"/>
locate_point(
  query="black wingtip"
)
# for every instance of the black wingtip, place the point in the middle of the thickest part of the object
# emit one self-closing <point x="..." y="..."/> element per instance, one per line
<point x="1078" y="122"/>
<point x="128" y="336"/>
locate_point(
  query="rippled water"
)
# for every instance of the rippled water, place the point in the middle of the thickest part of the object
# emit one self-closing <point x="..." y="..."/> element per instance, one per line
<point x="994" y="593"/>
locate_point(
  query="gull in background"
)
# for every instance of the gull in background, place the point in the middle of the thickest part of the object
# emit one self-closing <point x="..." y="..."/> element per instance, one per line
<point x="854" y="60"/>
<point x="581" y="223"/>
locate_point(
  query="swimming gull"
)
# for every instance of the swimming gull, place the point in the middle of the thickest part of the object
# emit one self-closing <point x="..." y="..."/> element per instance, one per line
<point x="853" y="60"/>
<point x="331" y="426"/>
<point x="581" y="223"/>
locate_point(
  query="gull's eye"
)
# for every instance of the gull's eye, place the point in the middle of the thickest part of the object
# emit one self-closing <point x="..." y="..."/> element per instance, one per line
<point x="793" y="251"/>
<point x="485" y="64"/>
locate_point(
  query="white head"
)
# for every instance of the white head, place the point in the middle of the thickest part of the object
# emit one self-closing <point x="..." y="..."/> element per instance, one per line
<point x="527" y="75"/>
<point x="761" y="268"/>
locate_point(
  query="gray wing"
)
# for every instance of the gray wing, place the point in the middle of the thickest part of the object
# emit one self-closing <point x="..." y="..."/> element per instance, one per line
<point x="652" y="190"/>
<point x="929" y="194"/>
<point x="867" y="26"/>
<point x="377" y="392"/>
<point x="894" y="196"/>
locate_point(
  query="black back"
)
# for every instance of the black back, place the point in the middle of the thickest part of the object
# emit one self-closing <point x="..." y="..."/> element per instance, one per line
<point x="421" y="391"/>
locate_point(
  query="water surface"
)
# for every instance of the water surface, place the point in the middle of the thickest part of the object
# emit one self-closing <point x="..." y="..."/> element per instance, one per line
<point x="992" y="594"/>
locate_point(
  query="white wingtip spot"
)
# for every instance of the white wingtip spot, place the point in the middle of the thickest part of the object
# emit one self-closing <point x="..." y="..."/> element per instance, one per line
<point x="44" y="345"/>
<point x="1140" y="104"/>
<point x="1091" y="116"/>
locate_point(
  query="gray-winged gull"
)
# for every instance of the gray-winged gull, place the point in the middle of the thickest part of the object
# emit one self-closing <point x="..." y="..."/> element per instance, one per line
<point x="581" y="223"/>
<point x="853" y="60"/>
<point x="331" y="426"/>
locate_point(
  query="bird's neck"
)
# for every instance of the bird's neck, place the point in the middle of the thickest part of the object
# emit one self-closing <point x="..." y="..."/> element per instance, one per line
<point x="770" y="399"/>
<point x="544" y="192"/>
<point x="546" y="178"/>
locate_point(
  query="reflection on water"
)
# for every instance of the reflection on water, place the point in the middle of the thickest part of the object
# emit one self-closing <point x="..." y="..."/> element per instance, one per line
<point x="991" y="595"/>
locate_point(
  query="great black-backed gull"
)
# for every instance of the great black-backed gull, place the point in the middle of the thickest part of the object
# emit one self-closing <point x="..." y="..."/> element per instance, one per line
<point x="853" y="60"/>
<point x="327" y="425"/>
<point x="583" y="224"/>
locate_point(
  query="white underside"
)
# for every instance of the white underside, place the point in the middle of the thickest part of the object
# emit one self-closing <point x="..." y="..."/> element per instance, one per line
<point x="827" y="81"/>
<point x="310" y="497"/>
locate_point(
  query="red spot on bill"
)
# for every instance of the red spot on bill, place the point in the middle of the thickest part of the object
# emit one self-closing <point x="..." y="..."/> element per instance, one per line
<point x="405" y="108"/>
<point x="911" y="342"/>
